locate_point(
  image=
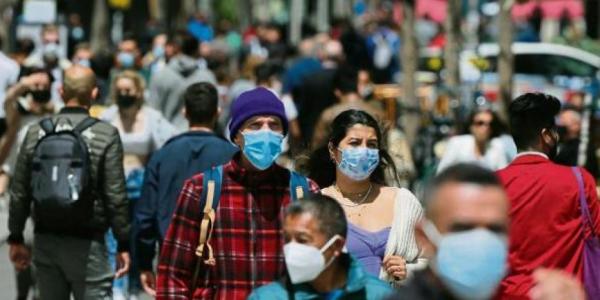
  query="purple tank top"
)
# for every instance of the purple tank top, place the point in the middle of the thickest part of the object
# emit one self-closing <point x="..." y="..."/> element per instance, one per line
<point x="368" y="247"/>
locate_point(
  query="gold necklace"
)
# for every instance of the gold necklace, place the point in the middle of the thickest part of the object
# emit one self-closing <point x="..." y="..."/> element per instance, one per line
<point x="355" y="203"/>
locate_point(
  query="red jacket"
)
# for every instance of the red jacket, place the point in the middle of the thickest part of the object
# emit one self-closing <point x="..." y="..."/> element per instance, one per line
<point x="545" y="220"/>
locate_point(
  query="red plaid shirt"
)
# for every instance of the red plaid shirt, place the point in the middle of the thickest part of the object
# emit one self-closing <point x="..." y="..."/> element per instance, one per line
<point x="247" y="236"/>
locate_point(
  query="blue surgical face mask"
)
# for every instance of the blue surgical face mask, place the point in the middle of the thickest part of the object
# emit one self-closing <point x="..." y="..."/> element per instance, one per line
<point x="84" y="63"/>
<point x="262" y="147"/>
<point x="359" y="162"/>
<point x="126" y="59"/>
<point x="158" y="51"/>
<point x="472" y="263"/>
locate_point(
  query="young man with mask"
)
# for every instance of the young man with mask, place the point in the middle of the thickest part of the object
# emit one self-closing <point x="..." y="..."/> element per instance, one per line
<point x="248" y="221"/>
<point x="546" y="228"/>
<point x="317" y="266"/>
<point x="465" y="229"/>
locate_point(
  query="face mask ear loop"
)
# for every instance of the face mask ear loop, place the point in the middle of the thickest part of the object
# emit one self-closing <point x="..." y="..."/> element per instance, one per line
<point x="432" y="233"/>
<point x="329" y="243"/>
<point x="326" y="246"/>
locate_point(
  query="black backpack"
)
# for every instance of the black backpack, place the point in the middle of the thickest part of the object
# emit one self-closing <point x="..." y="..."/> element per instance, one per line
<point x="60" y="178"/>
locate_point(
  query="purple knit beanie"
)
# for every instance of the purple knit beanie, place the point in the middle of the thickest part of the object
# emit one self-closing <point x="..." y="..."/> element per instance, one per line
<point x="255" y="102"/>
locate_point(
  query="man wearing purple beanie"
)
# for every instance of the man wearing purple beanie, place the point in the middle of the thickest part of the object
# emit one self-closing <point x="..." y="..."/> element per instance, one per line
<point x="242" y="250"/>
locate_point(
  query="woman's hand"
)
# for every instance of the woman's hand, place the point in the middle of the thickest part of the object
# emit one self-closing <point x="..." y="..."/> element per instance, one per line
<point x="395" y="266"/>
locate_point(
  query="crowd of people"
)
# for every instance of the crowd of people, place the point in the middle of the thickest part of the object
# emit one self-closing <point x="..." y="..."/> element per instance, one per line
<point x="214" y="171"/>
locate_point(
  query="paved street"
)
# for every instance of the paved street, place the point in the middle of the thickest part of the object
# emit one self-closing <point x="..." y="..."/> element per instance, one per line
<point x="7" y="279"/>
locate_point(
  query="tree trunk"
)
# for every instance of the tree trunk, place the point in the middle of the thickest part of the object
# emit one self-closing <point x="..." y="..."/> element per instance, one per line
<point x="100" y="30"/>
<point x="245" y="19"/>
<point x="206" y="9"/>
<point x="323" y="15"/>
<point x="410" y="114"/>
<point x="296" y="17"/>
<point x="155" y="10"/>
<point x="505" y="57"/>
<point x="5" y="28"/>
<point x="342" y="8"/>
<point x="186" y="9"/>
<point x="453" y="42"/>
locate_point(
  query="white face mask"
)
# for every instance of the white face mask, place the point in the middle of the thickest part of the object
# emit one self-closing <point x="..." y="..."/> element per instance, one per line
<point x="304" y="263"/>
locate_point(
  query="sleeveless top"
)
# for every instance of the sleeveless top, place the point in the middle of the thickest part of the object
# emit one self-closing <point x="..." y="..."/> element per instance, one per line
<point x="367" y="247"/>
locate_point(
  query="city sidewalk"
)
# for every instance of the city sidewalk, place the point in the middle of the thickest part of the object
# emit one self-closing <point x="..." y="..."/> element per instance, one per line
<point x="8" y="284"/>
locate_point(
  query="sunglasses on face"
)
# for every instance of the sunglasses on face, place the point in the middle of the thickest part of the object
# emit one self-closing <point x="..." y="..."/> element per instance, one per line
<point x="482" y="123"/>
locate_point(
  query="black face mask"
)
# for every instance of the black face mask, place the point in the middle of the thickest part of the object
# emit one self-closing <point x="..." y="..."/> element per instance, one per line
<point x="554" y="149"/>
<point x="41" y="96"/>
<point x="126" y="101"/>
<point x="562" y="132"/>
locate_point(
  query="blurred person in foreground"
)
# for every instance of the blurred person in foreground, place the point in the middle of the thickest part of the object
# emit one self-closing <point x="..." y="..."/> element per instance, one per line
<point x="465" y="229"/>
<point x="248" y="196"/>
<point x="317" y="265"/>
<point x="548" y="228"/>
<point x="69" y="252"/>
<point x="179" y="159"/>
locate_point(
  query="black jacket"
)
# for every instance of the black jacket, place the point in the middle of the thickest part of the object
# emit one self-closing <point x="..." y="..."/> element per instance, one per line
<point x="111" y="208"/>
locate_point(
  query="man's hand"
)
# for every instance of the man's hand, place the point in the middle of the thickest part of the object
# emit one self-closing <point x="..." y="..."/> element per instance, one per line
<point x="123" y="262"/>
<point x="395" y="266"/>
<point x="555" y="285"/>
<point x="148" y="280"/>
<point x="20" y="256"/>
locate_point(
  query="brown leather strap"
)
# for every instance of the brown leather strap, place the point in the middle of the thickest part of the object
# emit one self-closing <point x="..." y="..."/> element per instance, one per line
<point x="206" y="225"/>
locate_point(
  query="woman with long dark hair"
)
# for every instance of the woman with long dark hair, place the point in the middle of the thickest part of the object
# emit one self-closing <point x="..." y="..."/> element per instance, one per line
<point x="381" y="219"/>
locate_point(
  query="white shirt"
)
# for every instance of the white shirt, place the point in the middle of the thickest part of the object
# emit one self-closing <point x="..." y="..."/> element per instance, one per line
<point x="461" y="149"/>
<point x="8" y="77"/>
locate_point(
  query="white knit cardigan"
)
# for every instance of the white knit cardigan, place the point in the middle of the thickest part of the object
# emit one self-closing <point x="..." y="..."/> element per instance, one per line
<point x="401" y="241"/>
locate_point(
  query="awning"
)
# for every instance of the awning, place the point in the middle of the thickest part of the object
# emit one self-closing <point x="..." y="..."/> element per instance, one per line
<point x="553" y="9"/>
<point x="436" y="9"/>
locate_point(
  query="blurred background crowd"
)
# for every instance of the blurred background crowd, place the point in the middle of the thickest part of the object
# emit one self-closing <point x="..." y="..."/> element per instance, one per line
<point x="437" y="73"/>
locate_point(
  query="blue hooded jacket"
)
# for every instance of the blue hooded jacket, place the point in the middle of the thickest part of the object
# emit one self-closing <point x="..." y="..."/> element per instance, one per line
<point x="179" y="159"/>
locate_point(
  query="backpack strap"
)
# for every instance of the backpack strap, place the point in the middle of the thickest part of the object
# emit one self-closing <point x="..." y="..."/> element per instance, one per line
<point x="85" y="124"/>
<point x="47" y="125"/>
<point x="298" y="186"/>
<point x="211" y="193"/>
